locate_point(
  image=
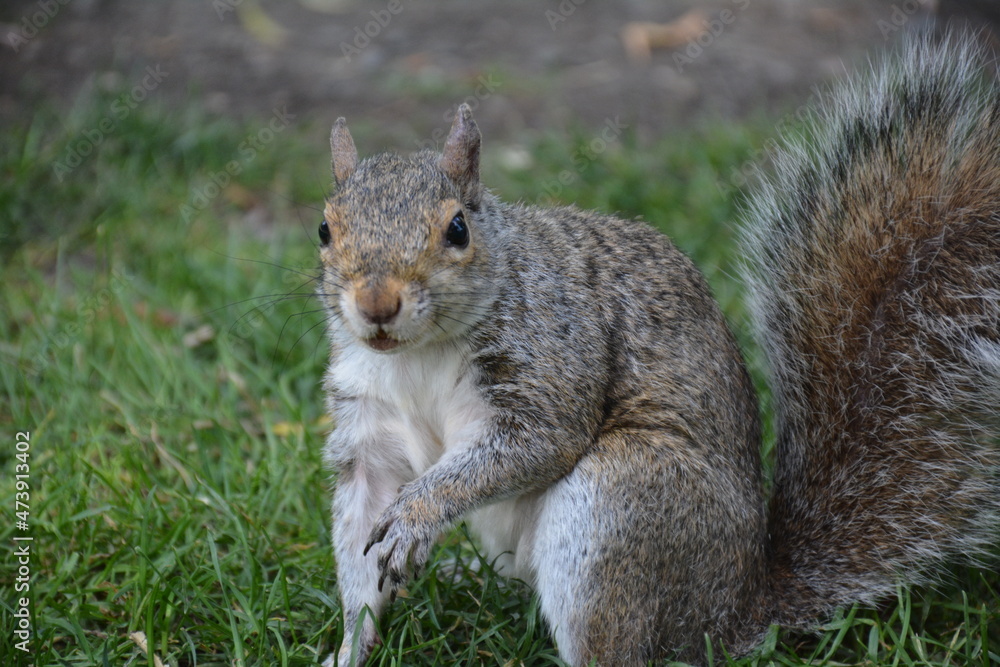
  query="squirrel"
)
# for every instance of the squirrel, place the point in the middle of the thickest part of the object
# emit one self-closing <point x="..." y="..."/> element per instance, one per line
<point x="564" y="381"/>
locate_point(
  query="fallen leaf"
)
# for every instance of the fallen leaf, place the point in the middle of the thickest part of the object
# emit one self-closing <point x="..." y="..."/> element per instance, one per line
<point x="640" y="38"/>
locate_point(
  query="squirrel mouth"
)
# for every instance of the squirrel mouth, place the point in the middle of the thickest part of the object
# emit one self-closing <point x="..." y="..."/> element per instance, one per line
<point x="382" y="341"/>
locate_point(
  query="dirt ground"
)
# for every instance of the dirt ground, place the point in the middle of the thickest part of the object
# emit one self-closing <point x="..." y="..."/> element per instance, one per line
<point x="403" y="65"/>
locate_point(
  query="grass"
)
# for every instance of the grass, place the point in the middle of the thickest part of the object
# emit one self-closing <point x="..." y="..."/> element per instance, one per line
<point x="166" y="362"/>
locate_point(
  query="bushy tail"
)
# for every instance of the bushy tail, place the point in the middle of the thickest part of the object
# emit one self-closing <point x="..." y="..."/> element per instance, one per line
<point x="876" y="277"/>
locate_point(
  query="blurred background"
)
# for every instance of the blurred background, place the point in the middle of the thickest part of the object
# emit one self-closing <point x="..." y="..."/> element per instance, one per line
<point x="399" y="64"/>
<point x="402" y="63"/>
<point x="162" y="170"/>
<point x="397" y="69"/>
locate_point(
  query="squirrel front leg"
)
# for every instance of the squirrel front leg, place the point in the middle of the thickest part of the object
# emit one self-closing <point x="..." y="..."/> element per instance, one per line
<point x="508" y="458"/>
<point x="359" y="499"/>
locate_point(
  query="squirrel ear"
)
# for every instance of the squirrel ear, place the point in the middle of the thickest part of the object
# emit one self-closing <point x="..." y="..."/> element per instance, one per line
<point x="345" y="155"/>
<point x="460" y="157"/>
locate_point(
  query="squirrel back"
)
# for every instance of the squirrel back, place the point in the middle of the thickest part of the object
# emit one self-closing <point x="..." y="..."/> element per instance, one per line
<point x="875" y="276"/>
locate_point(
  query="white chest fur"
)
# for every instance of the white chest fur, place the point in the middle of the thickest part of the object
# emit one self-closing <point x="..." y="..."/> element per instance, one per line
<point x="406" y="410"/>
<point x="401" y="413"/>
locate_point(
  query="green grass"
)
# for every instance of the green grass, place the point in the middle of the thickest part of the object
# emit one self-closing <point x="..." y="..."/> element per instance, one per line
<point x="172" y="398"/>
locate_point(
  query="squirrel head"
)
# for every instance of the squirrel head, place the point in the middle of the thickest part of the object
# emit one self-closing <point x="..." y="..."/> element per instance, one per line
<point x="404" y="259"/>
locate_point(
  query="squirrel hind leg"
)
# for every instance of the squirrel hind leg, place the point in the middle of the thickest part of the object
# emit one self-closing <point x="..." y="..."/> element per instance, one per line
<point x="640" y="552"/>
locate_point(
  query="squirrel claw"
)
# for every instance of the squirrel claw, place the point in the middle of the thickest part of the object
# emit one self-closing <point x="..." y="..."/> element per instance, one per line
<point x="404" y="547"/>
<point x="377" y="535"/>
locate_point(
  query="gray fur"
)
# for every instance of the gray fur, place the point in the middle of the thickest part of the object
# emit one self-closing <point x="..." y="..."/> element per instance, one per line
<point x="617" y="410"/>
<point x="875" y="276"/>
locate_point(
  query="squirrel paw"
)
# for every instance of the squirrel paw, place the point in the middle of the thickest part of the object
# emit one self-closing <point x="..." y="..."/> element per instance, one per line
<point x="405" y="534"/>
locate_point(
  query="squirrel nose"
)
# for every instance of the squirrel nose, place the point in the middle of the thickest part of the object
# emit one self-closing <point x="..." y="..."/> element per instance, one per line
<point x="378" y="305"/>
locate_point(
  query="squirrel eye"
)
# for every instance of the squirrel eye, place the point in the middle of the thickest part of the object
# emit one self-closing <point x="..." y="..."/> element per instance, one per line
<point x="457" y="235"/>
<point x="324" y="233"/>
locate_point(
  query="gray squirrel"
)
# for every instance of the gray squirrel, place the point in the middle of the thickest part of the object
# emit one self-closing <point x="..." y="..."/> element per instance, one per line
<point x="563" y="380"/>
